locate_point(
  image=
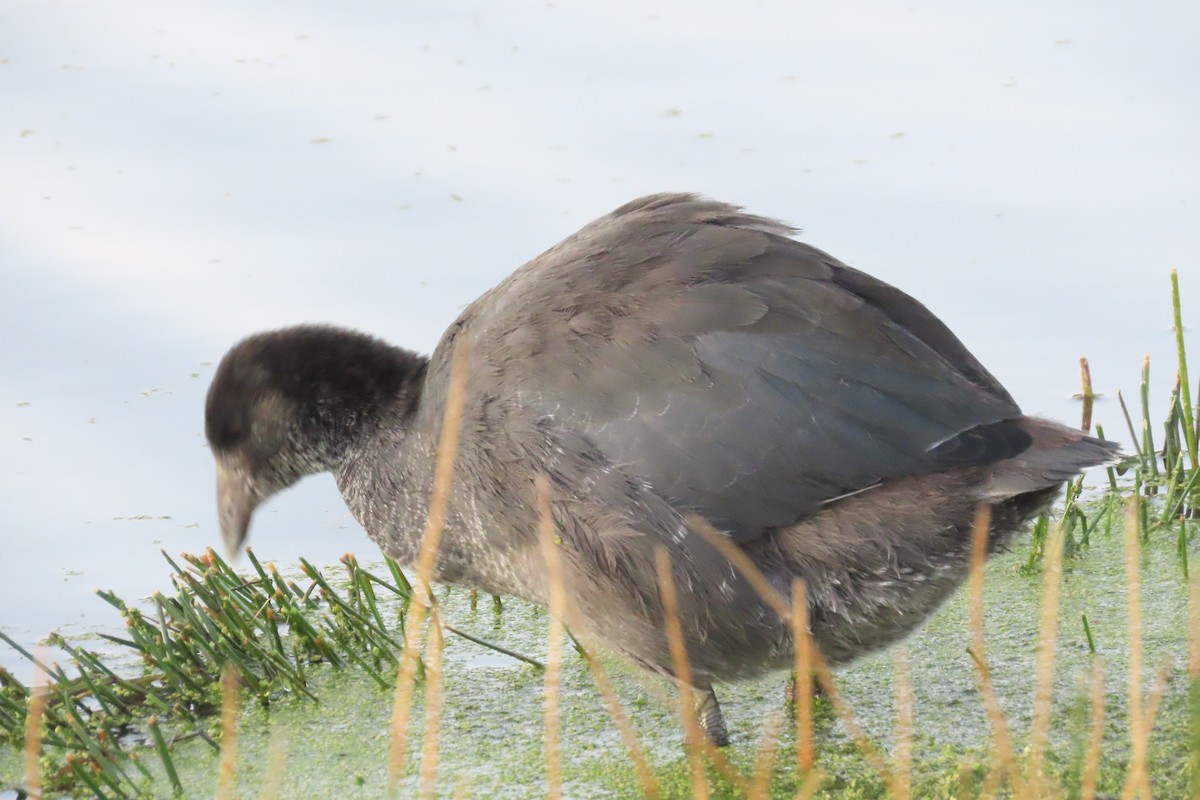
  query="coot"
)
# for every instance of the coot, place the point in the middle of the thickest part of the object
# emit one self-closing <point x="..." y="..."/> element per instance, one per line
<point x="675" y="357"/>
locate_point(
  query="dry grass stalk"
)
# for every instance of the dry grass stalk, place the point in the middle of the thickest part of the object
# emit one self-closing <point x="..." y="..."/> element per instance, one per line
<point x="558" y="593"/>
<point x="1043" y="672"/>
<point x="433" y="705"/>
<point x="764" y="759"/>
<point x="965" y="789"/>
<point x="1136" y="780"/>
<point x="846" y="717"/>
<point x="629" y="737"/>
<point x="1091" y="760"/>
<point x="742" y="563"/>
<point x="426" y="559"/>
<point x="1001" y="741"/>
<point x="276" y="758"/>
<point x="716" y="757"/>
<point x="803" y="692"/>
<point x="405" y="682"/>
<point x="667" y="700"/>
<point x="226" y="771"/>
<point x="991" y="783"/>
<point x="903" y="692"/>
<point x="462" y="790"/>
<point x="1155" y="695"/>
<point x="810" y="784"/>
<point x="683" y="674"/>
<point x="33" y="731"/>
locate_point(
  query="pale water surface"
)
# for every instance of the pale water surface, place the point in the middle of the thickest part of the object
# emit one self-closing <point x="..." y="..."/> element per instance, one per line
<point x="174" y="176"/>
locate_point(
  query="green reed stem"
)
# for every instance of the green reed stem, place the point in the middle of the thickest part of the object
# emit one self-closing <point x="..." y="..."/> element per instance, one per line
<point x="1191" y="433"/>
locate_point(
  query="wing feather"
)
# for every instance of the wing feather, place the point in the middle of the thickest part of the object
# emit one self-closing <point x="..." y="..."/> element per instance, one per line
<point x="743" y="375"/>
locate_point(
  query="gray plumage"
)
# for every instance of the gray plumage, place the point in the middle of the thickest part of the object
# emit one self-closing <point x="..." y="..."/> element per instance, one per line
<point x="675" y="357"/>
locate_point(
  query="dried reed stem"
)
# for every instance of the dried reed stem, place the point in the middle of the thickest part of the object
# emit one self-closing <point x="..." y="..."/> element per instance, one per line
<point x="433" y="706"/>
<point x="1136" y="778"/>
<point x="426" y="559"/>
<point x="226" y="771"/>
<point x="846" y="717"/>
<point x="742" y="563"/>
<point x="715" y="755"/>
<point x="629" y="737"/>
<point x="557" y="598"/>
<point x="803" y="680"/>
<point x="276" y="758"/>
<point x="1043" y="672"/>
<point x="717" y="758"/>
<point x="1091" y="760"/>
<point x="810" y="784"/>
<point x="1002" y="742"/>
<point x="991" y="782"/>
<point x="405" y="682"/>
<point x="903" y="692"/>
<point x="764" y="759"/>
<point x="1154" y="698"/>
<point x="33" y="731"/>
<point x="683" y="673"/>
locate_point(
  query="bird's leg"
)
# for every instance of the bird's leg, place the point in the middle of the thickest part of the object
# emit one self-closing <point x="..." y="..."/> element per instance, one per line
<point x="708" y="713"/>
<point x="789" y="690"/>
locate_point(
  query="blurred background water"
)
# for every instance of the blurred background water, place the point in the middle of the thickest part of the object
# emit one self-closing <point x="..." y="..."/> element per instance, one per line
<point x="175" y="176"/>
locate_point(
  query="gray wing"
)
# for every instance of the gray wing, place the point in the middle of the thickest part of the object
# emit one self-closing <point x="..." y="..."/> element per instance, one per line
<point x="743" y="375"/>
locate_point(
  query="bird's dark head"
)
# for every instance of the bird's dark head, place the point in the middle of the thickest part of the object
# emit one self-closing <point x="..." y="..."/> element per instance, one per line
<point x="293" y="402"/>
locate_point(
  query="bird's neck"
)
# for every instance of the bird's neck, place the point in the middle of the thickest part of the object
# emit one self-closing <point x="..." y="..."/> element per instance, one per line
<point x="352" y="394"/>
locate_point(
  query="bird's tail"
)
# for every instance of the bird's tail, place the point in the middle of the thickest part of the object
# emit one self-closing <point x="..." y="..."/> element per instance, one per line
<point x="1057" y="454"/>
